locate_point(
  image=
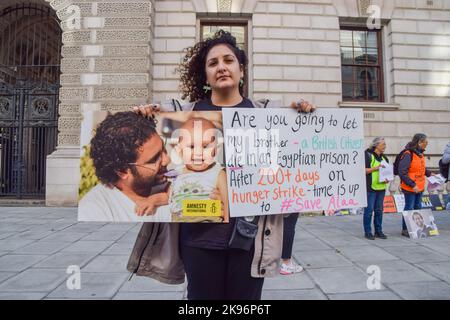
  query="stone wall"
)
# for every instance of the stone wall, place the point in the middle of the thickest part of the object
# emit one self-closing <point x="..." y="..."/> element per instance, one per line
<point x="420" y="47"/>
<point x="175" y="29"/>
<point x="126" y="52"/>
<point x="296" y="52"/>
<point x="106" y="65"/>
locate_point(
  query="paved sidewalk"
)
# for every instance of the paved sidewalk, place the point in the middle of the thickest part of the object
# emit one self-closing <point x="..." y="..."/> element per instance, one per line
<point x="38" y="244"/>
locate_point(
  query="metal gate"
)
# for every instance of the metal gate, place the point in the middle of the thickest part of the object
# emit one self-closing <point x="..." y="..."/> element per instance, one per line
<point x="30" y="50"/>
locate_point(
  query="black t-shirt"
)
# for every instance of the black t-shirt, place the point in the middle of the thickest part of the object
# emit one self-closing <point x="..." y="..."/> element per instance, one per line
<point x="209" y="235"/>
<point x="368" y="166"/>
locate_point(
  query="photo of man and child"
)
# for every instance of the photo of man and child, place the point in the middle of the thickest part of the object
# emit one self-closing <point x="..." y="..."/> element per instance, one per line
<point x="144" y="169"/>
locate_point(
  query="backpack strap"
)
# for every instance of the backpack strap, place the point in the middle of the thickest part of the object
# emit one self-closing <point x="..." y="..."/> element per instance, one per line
<point x="406" y="151"/>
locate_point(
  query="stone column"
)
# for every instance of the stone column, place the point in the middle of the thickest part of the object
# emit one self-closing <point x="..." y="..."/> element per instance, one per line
<point x="106" y="62"/>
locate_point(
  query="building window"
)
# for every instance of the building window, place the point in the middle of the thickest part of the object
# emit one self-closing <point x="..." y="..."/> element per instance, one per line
<point x="237" y="29"/>
<point x="361" y="59"/>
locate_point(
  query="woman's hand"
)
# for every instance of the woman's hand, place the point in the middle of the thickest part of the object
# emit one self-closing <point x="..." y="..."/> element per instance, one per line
<point x="303" y="106"/>
<point x="377" y="168"/>
<point x="148" y="111"/>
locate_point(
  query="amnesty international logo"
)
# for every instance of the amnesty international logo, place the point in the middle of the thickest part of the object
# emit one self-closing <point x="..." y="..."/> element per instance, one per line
<point x="201" y="208"/>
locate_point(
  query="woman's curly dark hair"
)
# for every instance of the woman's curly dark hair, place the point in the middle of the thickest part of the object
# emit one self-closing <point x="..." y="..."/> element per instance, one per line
<point x="115" y="144"/>
<point x="192" y="68"/>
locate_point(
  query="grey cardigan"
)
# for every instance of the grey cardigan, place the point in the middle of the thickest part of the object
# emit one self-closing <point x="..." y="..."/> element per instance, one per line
<point x="156" y="251"/>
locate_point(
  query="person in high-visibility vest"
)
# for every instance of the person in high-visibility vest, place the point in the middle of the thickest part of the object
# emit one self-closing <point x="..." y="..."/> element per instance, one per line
<point x="375" y="189"/>
<point x="412" y="171"/>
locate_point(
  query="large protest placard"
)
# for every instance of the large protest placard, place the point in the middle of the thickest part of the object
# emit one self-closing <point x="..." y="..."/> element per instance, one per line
<point x="134" y="169"/>
<point x="281" y="161"/>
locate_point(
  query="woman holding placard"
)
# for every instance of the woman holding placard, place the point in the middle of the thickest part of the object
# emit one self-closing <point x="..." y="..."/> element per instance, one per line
<point x="212" y="78"/>
<point x="376" y="190"/>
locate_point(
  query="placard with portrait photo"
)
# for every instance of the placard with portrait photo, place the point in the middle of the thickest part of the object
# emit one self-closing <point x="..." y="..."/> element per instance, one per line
<point x="420" y="223"/>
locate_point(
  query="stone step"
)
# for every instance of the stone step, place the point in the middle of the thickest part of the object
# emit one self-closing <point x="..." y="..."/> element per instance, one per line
<point x="11" y="202"/>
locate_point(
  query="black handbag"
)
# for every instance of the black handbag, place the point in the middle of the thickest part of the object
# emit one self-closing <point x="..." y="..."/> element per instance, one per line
<point x="244" y="233"/>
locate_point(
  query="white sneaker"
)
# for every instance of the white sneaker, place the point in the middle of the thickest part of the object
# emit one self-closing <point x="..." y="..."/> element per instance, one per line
<point x="290" y="268"/>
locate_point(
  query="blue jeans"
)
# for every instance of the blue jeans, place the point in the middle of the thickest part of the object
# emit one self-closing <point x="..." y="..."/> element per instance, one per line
<point x="412" y="201"/>
<point x="374" y="204"/>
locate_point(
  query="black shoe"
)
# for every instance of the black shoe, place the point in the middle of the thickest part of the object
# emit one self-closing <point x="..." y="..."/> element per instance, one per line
<point x="380" y="235"/>
<point x="369" y="236"/>
<point x="405" y="233"/>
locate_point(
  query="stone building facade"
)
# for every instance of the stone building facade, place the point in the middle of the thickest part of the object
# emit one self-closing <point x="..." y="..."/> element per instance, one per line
<point x="117" y="54"/>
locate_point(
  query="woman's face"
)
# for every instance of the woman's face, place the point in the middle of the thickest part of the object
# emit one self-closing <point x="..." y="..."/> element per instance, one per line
<point x="423" y="144"/>
<point x="381" y="147"/>
<point x="223" y="71"/>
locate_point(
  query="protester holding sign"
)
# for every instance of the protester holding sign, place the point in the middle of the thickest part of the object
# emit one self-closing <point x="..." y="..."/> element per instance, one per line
<point x="412" y="171"/>
<point x="212" y="76"/>
<point x="375" y="189"/>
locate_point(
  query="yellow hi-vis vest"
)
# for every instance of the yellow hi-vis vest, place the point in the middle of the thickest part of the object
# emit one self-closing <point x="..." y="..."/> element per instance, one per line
<point x="376" y="185"/>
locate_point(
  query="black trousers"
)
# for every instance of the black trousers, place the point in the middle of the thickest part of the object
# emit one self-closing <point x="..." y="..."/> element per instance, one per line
<point x="220" y="274"/>
<point x="288" y="235"/>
